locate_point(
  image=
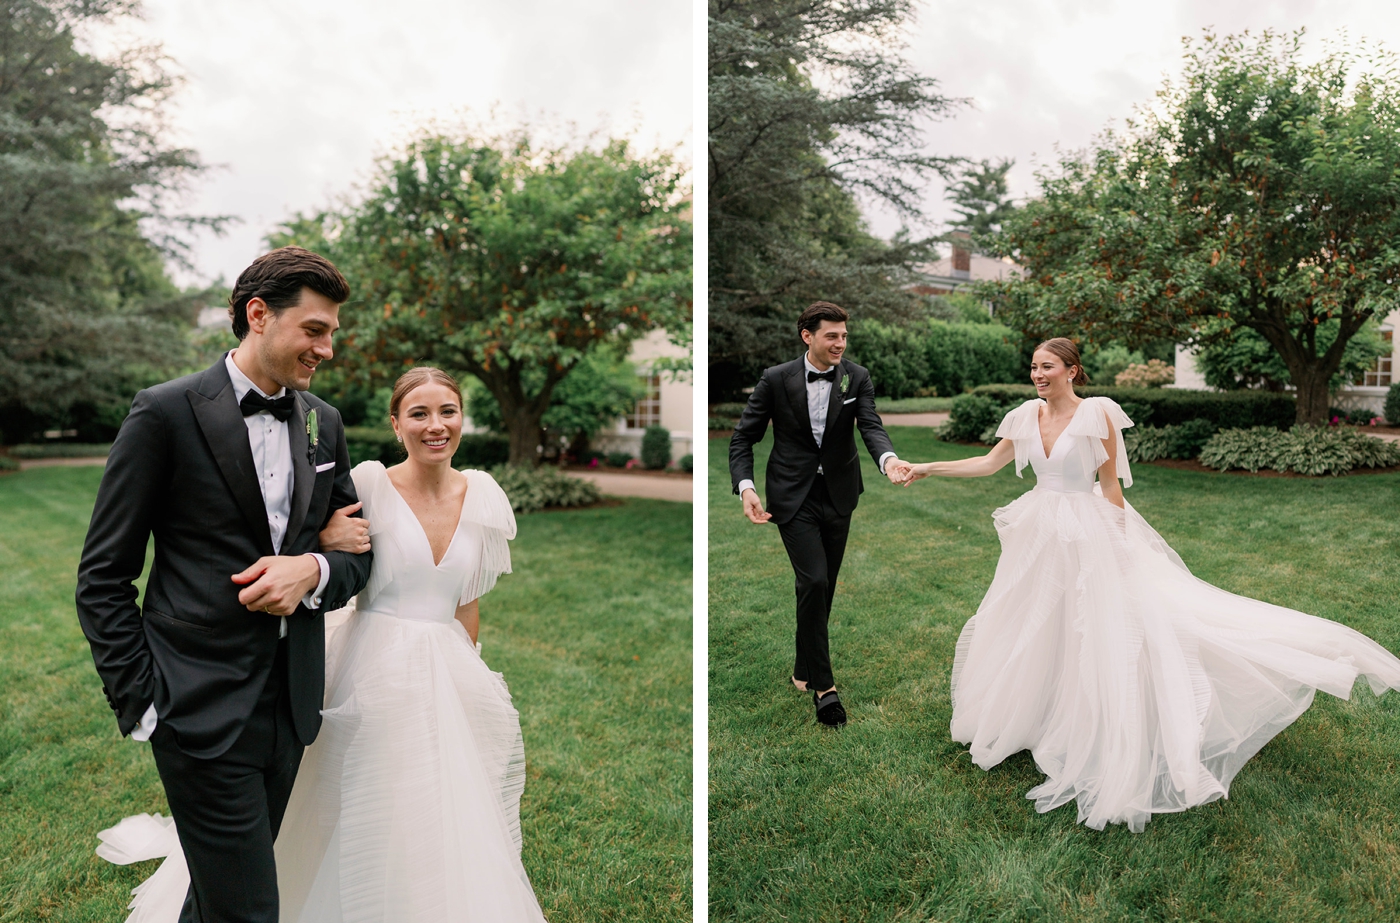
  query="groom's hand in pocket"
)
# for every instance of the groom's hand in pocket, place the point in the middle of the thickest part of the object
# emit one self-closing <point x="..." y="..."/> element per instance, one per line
<point x="753" y="508"/>
<point x="276" y="584"/>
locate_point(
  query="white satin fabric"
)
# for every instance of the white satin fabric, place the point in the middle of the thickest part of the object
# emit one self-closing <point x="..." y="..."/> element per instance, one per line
<point x="406" y="808"/>
<point x="1138" y="688"/>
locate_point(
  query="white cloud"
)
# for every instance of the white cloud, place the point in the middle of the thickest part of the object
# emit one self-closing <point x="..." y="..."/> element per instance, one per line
<point x="295" y="98"/>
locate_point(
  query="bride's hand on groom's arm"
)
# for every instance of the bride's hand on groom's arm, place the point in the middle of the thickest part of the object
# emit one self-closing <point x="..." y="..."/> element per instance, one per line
<point x="345" y="532"/>
<point x="275" y="584"/>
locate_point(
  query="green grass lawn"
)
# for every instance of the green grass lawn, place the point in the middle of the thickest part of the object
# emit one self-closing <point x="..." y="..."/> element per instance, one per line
<point x="592" y="632"/>
<point x="887" y="819"/>
<point x="914" y="405"/>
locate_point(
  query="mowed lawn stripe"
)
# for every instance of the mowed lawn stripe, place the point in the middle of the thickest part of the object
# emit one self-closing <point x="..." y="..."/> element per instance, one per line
<point x="888" y="820"/>
<point x="592" y="632"/>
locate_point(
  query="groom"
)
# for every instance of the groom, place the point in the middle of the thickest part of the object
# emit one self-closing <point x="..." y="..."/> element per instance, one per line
<point x="234" y="470"/>
<point x="813" y="477"/>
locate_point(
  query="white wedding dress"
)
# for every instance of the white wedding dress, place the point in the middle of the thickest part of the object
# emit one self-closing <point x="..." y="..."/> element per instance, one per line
<point x="1138" y="688"/>
<point x="406" y="808"/>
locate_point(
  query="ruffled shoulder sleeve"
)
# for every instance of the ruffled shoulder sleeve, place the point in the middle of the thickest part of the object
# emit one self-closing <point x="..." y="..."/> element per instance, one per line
<point x="371" y="486"/>
<point x="1099" y="418"/>
<point x="1021" y="425"/>
<point x="486" y="510"/>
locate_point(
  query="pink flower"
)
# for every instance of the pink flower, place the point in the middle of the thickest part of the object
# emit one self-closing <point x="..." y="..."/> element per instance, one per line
<point x="593" y="462"/>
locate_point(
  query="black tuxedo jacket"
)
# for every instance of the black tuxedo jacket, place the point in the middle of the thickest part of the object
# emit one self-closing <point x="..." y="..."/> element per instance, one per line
<point x="781" y="396"/>
<point x="181" y="469"/>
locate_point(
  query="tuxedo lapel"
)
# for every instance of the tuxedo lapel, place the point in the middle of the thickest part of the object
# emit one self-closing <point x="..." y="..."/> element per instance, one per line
<point x="304" y="476"/>
<point x="227" y="436"/>
<point x="797" y="394"/>
<point x="834" y="404"/>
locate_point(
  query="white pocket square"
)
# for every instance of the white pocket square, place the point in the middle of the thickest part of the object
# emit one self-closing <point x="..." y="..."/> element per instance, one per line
<point x="326" y="467"/>
<point x="847" y="401"/>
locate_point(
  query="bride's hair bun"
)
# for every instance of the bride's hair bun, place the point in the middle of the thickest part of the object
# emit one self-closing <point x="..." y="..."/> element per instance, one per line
<point x="1064" y="349"/>
<point x="416" y="377"/>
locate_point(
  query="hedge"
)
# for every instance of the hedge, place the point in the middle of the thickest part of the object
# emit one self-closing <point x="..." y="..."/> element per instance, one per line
<point x="934" y="355"/>
<point x="1170" y="407"/>
<point x="61" y="450"/>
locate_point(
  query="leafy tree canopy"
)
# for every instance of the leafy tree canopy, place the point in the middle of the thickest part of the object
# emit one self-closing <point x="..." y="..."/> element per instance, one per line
<point x="810" y="103"/>
<point x="87" y="182"/>
<point x="509" y="261"/>
<point x="1260" y="192"/>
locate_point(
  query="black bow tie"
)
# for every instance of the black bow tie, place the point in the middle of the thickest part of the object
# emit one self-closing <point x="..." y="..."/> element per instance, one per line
<point x="828" y="375"/>
<point x="279" y="407"/>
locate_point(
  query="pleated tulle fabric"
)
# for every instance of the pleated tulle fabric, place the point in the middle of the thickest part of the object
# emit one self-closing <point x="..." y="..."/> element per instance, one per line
<point x="406" y="809"/>
<point x="1138" y="688"/>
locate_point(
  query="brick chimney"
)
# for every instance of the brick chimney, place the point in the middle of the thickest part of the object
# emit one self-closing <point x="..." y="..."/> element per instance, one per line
<point x="962" y="256"/>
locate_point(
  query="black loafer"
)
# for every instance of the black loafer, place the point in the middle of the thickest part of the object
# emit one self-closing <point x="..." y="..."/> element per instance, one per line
<point x="829" y="709"/>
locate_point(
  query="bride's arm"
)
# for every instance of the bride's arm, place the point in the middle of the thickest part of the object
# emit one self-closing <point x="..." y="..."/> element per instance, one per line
<point x="978" y="467"/>
<point x="1108" y="471"/>
<point x="470" y="617"/>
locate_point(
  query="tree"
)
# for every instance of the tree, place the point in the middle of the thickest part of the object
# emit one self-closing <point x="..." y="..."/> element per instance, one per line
<point x="509" y="261"/>
<point x="87" y="312"/>
<point x="1259" y="193"/>
<point x="602" y="388"/>
<point x="1246" y="360"/>
<point x="980" y="198"/>
<point x="810" y="103"/>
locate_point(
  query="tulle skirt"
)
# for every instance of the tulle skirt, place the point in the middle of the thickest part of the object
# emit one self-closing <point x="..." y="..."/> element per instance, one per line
<point x="405" y="809"/>
<point x="1138" y="688"/>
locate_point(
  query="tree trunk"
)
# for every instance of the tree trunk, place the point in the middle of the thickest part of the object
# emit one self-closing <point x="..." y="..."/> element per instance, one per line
<point x="523" y="426"/>
<point x="1314" y="398"/>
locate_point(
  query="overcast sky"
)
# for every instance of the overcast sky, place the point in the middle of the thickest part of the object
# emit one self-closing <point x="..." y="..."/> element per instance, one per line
<point x="294" y="98"/>
<point x="1048" y="72"/>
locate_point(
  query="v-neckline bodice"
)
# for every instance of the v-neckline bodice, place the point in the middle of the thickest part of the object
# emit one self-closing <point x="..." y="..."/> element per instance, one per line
<point x="1040" y="436"/>
<point x="419" y="523"/>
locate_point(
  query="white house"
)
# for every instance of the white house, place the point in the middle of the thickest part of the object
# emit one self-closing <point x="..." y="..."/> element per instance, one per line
<point x="668" y="401"/>
<point x="1367" y="393"/>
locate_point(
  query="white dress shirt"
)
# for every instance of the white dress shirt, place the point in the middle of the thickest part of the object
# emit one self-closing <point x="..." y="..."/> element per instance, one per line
<point x="818" y="398"/>
<point x="272" y="457"/>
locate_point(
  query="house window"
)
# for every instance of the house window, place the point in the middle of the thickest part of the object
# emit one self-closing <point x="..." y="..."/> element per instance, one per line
<point x="1379" y="375"/>
<point x="647" y="412"/>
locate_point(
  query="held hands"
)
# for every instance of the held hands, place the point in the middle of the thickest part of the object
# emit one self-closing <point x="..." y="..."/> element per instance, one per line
<point x="753" y="508"/>
<point x="345" y="533"/>
<point x="897" y="470"/>
<point x="916" y="473"/>
<point x="277" y="583"/>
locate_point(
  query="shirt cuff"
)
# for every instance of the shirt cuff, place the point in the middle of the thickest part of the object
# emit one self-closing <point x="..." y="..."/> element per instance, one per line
<point x="746" y="484"/>
<point x="147" y="726"/>
<point x="884" y="458"/>
<point x="312" y="600"/>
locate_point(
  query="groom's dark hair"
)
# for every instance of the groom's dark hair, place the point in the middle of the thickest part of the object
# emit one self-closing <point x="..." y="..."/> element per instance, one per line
<point x="278" y="278"/>
<point x="819" y="311"/>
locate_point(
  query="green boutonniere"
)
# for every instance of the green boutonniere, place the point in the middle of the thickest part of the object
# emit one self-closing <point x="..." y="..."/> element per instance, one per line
<point x="845" y="383"/>
<point x="313" y="435"/>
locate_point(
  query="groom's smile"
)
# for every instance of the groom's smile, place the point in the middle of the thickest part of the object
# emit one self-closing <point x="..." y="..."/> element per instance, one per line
<point x="287" y="346"/>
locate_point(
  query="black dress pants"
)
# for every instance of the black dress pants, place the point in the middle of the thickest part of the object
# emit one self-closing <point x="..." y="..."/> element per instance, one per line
<point x="815" y="539"/>
<point x="228" y="809"/>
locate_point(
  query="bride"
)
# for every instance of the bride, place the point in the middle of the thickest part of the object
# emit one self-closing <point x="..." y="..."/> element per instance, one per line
<point x="1138" y="688"/>
<point x="407" y="806"/>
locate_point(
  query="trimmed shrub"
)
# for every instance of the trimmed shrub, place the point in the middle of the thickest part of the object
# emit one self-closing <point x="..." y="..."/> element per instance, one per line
<point x="618" y="459"/>
<point x="533" y="489"/>
<point x="1392" y="405"/>
<point x="1183" y="440"/>
<point x="687" y="463"/>
<point x="1168" y="406"/>
<point x="8" y="464"/>
<point x="481" y="450"/>
<point x="732" y="409"/>
<point x="719" y="423"/>
<point x="1310" y="450"/>
<point x="1153" y="374"/>
<point x="974" y="418"/>
<point x="372" y="443"/>
<point x="935" y="356"/>
<point x="61" y="450"/>
<point x="656" y="447"/>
